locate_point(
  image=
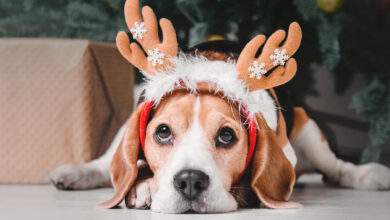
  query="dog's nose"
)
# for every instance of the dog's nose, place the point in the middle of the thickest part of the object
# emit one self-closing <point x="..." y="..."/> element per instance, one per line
<point x="191" y="183"/>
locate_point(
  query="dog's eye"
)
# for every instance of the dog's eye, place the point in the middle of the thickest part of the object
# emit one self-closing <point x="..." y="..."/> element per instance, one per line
<point x="163" y="134"/>
<point x="225" y="138"/>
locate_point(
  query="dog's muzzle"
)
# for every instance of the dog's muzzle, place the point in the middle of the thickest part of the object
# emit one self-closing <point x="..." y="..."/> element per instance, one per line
<point x="191" y="183"/>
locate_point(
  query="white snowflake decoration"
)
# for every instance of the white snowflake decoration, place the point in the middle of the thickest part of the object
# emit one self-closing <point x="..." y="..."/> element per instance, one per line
<point x="156" y="56"/>
<point x="138" y="30"/>
<point x="257" y="70"/>
<point x="279" y="57"/>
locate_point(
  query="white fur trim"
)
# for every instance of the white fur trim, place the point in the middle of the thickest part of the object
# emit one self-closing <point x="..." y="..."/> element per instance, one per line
<point x="190" y="70"/>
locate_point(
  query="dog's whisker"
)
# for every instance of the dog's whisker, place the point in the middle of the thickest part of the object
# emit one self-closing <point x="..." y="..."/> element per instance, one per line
<point x="241" y="187"/>
<point x="238" y="197"/>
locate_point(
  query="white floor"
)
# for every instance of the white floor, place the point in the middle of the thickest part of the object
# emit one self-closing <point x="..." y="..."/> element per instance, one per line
<point x="320" y="202"/>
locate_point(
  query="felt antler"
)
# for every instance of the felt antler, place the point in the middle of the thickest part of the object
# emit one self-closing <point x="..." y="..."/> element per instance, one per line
<point x="145" y="30"/>
<point x="252" y="70"/>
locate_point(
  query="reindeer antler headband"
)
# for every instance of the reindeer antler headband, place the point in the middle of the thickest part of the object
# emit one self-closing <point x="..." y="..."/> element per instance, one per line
<point x="243" y="81"/>
<point x="145" y="31"/>
<point x="250" y="70"/>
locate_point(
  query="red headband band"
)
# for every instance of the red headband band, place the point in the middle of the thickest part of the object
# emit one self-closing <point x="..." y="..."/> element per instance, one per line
<point x="144" y="117"/>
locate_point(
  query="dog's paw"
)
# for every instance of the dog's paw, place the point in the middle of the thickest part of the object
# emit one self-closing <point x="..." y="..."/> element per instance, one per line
<point x="371" y="176"/>
<point x="69" y="177"/>
<point x="140" y="196"/>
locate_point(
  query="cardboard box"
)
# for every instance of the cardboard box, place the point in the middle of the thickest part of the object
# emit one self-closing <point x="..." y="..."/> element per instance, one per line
<point x="61" y="101"/>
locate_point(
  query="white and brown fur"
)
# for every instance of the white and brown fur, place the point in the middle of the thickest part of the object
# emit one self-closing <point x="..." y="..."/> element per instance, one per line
<point x="306" y="149"/>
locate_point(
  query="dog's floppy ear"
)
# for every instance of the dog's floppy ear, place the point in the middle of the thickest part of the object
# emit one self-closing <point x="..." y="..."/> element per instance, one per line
<point x="273" y="176"/>
<point x="124" y="169"/>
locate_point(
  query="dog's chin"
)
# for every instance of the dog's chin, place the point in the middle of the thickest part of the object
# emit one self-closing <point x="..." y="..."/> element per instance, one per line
<point x="206" y="203"/>
<point x="221" y="203"/>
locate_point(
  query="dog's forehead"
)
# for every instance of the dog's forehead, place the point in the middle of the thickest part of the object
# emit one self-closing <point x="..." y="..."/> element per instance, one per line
<point x="213" y="103"/>
<point x="183" y="103"/>
<point x="170" y="104"/>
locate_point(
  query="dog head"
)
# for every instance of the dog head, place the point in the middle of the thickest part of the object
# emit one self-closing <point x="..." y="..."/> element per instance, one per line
<point x="196" y="145"/>
<point x="205" y="122"/>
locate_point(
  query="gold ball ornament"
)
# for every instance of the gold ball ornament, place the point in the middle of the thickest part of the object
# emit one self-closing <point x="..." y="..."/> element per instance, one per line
<point x="213" y="37"/>
<point x="329" y="6"/>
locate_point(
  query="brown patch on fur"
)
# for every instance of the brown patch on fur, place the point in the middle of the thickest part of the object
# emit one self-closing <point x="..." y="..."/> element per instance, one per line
<point x="273" y="176"/>
<point x="215" y="114"/>
<point x="300" y="119"/>
<point x="178" y="118"/>
<point x="124" y="163"/>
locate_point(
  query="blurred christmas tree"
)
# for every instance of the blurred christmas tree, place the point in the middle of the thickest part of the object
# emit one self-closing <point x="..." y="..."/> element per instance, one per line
<point x="93" y="19"/>
<point x="348" y="37"/>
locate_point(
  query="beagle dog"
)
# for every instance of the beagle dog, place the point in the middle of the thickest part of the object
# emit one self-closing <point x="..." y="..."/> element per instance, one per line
<point x="209" y="133"/>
